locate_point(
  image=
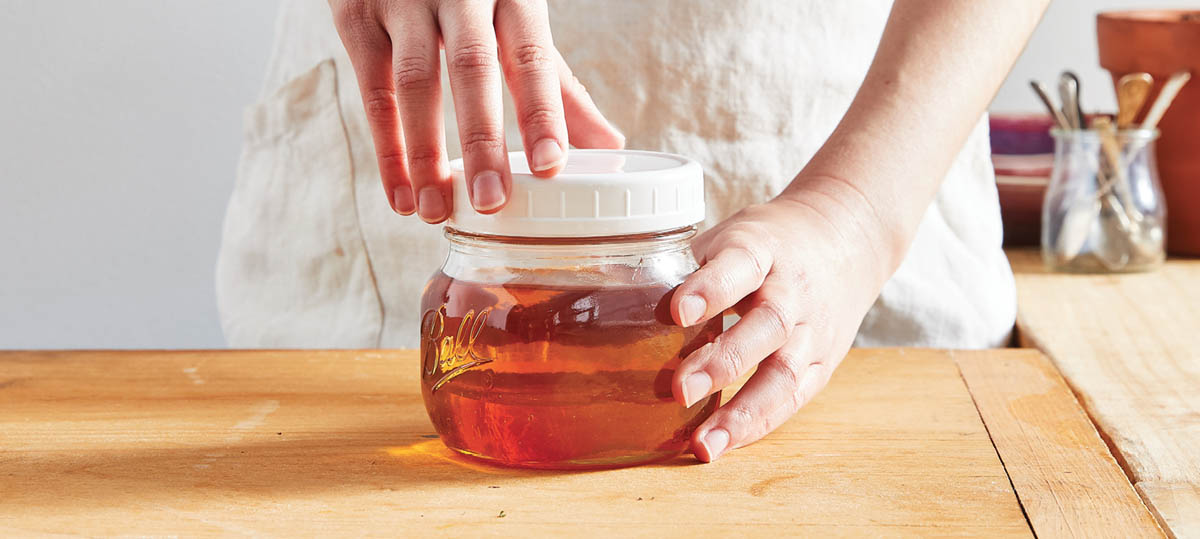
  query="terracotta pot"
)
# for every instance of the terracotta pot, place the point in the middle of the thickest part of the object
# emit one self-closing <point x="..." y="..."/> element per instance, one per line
<point x="1161" y="43"/>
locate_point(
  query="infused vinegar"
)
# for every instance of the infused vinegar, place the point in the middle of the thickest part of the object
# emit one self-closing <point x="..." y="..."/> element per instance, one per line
<point x="538" y="374"/>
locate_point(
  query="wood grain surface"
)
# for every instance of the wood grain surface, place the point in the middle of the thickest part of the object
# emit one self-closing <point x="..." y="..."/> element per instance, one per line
<point x="1129" y="346"/>
<point x="1068" y="482"/>
<point x="1174" y="504"/>
<point x="305" y="443"/>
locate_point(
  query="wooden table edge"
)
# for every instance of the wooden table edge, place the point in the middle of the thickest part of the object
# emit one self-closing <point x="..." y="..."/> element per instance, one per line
<point x="1002" y="391"/>
<point x="979" y="372"/>
<point x="1027" y="341"/>
<point x="1171" y="501"/>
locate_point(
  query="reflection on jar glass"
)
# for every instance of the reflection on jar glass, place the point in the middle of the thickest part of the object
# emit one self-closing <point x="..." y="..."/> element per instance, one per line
<point x="557" y="351"/>
<point x="1104" y="209"/>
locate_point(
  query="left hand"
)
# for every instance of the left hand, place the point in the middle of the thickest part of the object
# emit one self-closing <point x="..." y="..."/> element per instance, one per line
<point x="801" y="270"/>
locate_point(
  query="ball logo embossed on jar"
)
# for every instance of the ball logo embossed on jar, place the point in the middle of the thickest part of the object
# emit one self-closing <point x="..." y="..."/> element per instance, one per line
<point x="446" y="356"/>
<point x="547" y="338"/>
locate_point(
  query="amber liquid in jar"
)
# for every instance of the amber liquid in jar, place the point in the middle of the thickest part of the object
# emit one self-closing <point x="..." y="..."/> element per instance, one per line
<point x="557" y="376"/>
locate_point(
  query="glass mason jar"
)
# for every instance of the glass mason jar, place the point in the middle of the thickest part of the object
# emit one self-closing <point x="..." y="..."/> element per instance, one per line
<point x="546" y="337"/>
<point x="1104" y="208"/>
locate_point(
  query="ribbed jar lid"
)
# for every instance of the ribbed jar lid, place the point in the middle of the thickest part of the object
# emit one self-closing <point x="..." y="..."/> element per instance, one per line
<point x="598" y="193"/>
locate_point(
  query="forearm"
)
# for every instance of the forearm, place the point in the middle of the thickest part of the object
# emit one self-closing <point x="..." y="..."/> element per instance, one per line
<point x="938" y="66"/>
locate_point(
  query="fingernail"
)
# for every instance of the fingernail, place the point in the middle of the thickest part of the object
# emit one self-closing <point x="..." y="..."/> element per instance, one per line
<point x="432" y="206"/>
<point x="402" y="200"/>
<point x="546" y="155"/>
<point x="487" y="191"/>
<point x="695" y="387"/>
<point x="691" y="309"/>
<point x="715" y="442"/>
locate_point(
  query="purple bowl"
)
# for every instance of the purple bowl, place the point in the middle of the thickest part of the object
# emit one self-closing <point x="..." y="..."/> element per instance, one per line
<point x="1021" y="134"/>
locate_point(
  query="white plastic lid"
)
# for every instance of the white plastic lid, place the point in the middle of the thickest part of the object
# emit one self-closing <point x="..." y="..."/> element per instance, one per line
<point x="598" y="193"/>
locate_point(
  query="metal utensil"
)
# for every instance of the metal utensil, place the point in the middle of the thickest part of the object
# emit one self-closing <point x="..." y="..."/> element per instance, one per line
<point x="1121" y="234"/>
<point x="1078" y="101"/>
<point x="1117" y="222"/>
<point x="1143" y="236"/>
<point x="1113" y="168"/>
<point x="1132" y="91"/>
<point x="1111" y="162"/>
<point x="1068" y="93"/>
<point x="1076" y="223"/>
<point x="1044" y="96"/>
<point x="1114" y="245"/>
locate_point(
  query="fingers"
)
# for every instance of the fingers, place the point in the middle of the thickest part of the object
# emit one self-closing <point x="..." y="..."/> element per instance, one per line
<point x="474" y="66"/>
<point x="703" y="242"/>
<point x="369" y="47"/>
<point x="586" y="127"/>
<point x="737" y="266"/>
<point x="764" y="329"/>
<point x="528" y="59"/>
<point x="416" y="74"/>
<point x="784" y="382"/>
<point x="402" y="97"/>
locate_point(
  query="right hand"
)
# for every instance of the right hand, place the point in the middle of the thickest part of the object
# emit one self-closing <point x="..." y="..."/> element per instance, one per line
<point x="394" y="48"/>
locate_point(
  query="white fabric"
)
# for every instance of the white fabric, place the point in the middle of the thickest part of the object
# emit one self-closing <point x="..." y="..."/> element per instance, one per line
<point x="313" y="255"/>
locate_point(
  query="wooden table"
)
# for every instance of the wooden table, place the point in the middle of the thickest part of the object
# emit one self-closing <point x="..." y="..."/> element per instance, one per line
<point x="1129" y="345"/>
<point x="903" y="442"/>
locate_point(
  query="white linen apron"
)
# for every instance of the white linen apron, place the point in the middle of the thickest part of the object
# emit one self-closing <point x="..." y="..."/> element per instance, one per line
<point x="313" y="256"/>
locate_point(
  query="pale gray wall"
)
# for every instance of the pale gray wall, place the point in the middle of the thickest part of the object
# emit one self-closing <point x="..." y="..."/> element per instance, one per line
<point x="120" y="127"/>
<point x="120" y="124"/>
<point x="1067" y="38"/>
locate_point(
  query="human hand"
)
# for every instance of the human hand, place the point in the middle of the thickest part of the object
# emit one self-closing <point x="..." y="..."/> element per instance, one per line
<point x="802" y="271"/>
<point x="394" y="48"/>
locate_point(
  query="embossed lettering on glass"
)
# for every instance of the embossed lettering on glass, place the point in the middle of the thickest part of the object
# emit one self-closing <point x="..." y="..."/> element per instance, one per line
<point x="546" y="340"/>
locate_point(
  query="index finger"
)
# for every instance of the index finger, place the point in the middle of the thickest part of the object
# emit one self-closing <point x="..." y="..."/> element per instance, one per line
<point x="737" y="268"/>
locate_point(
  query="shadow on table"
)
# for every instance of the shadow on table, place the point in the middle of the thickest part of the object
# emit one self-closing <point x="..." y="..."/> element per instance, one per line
<point x="273" y="465"/>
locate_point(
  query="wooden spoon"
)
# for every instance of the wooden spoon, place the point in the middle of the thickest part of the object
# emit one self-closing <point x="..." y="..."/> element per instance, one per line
<point x="1158" y="108"/>
<point x="1169" y="90"/>
<point x="1132" y="91"/>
